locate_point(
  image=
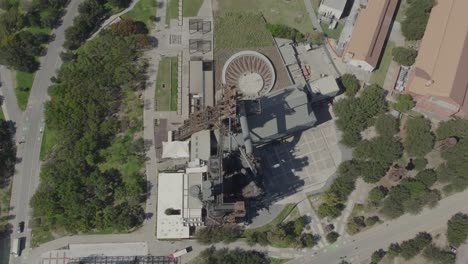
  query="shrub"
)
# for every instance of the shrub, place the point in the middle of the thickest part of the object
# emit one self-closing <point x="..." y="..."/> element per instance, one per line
<point x="332" y="237"/>
<point x="331" y="211"/>
<point x="411" y="248"/>
<point x="350" y="83"/>
<point x="283" y="31"/>
<point x="439" y="256"/>
<point x="309" y="240"/>
<point x="372" y="220"/>
<point x="377" y="256"/>
<point x="394" y="250"/>
<point x="404" y="56"/>
<point x="377" y="194"/>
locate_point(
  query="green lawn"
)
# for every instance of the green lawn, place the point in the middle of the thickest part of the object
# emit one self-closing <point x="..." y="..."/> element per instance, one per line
<point x="190" y="8"/>
<point x="315" y="5"/>
<point x="49" y="140"/>
<point x="2" y="116"/>
<point x="291" y="13"/>
<point x="172" y="10"/>
<point x="36" y="30"/>
<point x="241" y="30"/>
<point x="332" y="33"/>
<point x="143" y="11"/>
<point x="379" y="75"/>
<point x="401" y="13"/>
<point x="24" y="81"/>
<point x="166" y="85"/>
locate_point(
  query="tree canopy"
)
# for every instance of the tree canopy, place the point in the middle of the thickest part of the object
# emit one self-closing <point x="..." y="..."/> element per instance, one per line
<point x="417" y="15"/>
<point x="386" y="125"/>
<point x="7" y="151"/>
<point x="457" y="229"/>
<point x="419" y="138"/>
<point x="350" y="83"/>
<point x="93" y="178"/>
<point x="225" y="256"/>
<point x="404" y="103"/>
<point x="404" y="56"/>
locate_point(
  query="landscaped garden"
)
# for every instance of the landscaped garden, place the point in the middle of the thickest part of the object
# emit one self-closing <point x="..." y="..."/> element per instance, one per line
<point x="166" y="84"/>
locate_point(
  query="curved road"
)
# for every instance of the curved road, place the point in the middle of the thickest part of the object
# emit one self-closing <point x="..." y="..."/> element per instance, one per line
<point x="30" y="128"/>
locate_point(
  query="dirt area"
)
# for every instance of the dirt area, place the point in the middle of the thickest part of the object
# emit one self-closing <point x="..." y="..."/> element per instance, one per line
<point x="369" y="133"/>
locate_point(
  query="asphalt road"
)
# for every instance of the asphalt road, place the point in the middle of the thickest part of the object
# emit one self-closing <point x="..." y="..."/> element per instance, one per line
<point x="362" y="245"/>
<point x="30" y="129"/>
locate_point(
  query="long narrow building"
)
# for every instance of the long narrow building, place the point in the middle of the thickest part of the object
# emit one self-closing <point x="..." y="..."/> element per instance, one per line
<point x="439" y="81"/>
<point x="370" y="33"/>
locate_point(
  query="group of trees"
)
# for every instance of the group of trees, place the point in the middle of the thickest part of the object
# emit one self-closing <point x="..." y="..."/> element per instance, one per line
<point x="356" y="224"/>
<point x="404" y="56"/>
<point x="354" y="114"/>
<point x="411" y="195"/>
<point x="284" y="234"/>
<point x="216" y="234"/>
<point x="91" y="14"/>
<point x="7" y="151"/>
<point x="19" y="47"/>
<point x="419" y="139"/>
<point x="225" y="256"/>
<point x="93" y="178"/>
<point x="283" y="31"/>
<point x="335" y="198"/>
<point x="417" y="15"/>
<point x="408" y="249"/>
<point x="453" y="171"/>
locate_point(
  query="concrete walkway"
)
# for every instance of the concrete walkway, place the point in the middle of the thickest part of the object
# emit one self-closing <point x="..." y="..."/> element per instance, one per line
<point x="7" y="91"/>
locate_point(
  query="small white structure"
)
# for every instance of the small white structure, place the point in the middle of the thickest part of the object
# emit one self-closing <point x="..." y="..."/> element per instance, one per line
<point x="179" y="208"/>
<point x="331" y="10"/>
<point x="175" y="150"/>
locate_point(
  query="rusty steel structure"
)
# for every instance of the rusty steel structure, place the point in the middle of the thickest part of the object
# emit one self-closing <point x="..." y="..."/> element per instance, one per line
<point x="210" y="117"/>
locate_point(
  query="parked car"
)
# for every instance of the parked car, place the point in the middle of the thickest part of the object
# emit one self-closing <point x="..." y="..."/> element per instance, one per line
<point x="20" y="227"/>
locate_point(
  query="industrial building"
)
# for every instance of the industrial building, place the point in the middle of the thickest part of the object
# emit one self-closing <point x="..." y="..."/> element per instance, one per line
<point x="370" y="34"/>
<point x="439" y="80"/>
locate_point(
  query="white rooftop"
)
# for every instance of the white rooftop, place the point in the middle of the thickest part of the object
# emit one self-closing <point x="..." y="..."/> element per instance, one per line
<point x="176" y="149"/>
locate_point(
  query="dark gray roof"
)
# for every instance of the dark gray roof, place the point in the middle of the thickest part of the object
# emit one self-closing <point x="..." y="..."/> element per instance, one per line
<point x="281" y="113"/>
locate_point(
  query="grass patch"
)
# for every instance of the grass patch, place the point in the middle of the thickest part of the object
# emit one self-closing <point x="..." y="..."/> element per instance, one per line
<point x="49" y="140"/>
<point x="143" y="11"/>
<point x="241" y="30"/>
<point x="24" y="81"/>
<point x="190" y="8"/>
<point x="290" y="13"/>
<point x="332" y="33"/>
<point x="277" y="260"/>
<point x="379" y="75"/>
<point x="2" y="116"/>
<point x="166" y="85"/>
<point x="172" y="11"/>
<point x="278" y="219"/>
<point x="315" y="5"/>
<point x="401" y="13"/>
<point x="36" y="30"/>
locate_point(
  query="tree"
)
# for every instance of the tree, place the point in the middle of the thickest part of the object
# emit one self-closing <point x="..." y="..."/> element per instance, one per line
<point x="382" y="150"/>
<point x="350" y="83"/>
<point x="417" y="15"/>
<point x="439" y="256"/>
<point x="372" y="171"/>
<point x="7" y="151"/>
<point x="221" y="256"/>
<point x="309" y="240"/>
<point x="332" y="237"/>
<point x="299" y="225"/>
<point x="404" y="103"/>
<point x="386" y="125"/>
<point x="457" y="229"/>
<point x="410" y="248"/>
<point x="330" y="198"/>
<point x="404" y="56"/>
<point x="120" y="3"/>
<point x="428" y="177"/>
<point x="457" y="127"/>
<point x="419" y="163"/>
<point x="377" y="194"/>
<point x="326" y="210"/>
<point x="253" y="238"/>
<point x="127" y="27"/>
<point x="284" y="31"/>
<point x="377" y="256"/>
<point x="419" y="138"/>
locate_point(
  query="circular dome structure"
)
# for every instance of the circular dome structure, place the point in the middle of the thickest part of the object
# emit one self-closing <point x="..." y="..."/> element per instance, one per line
<point x="251" y="72"/>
